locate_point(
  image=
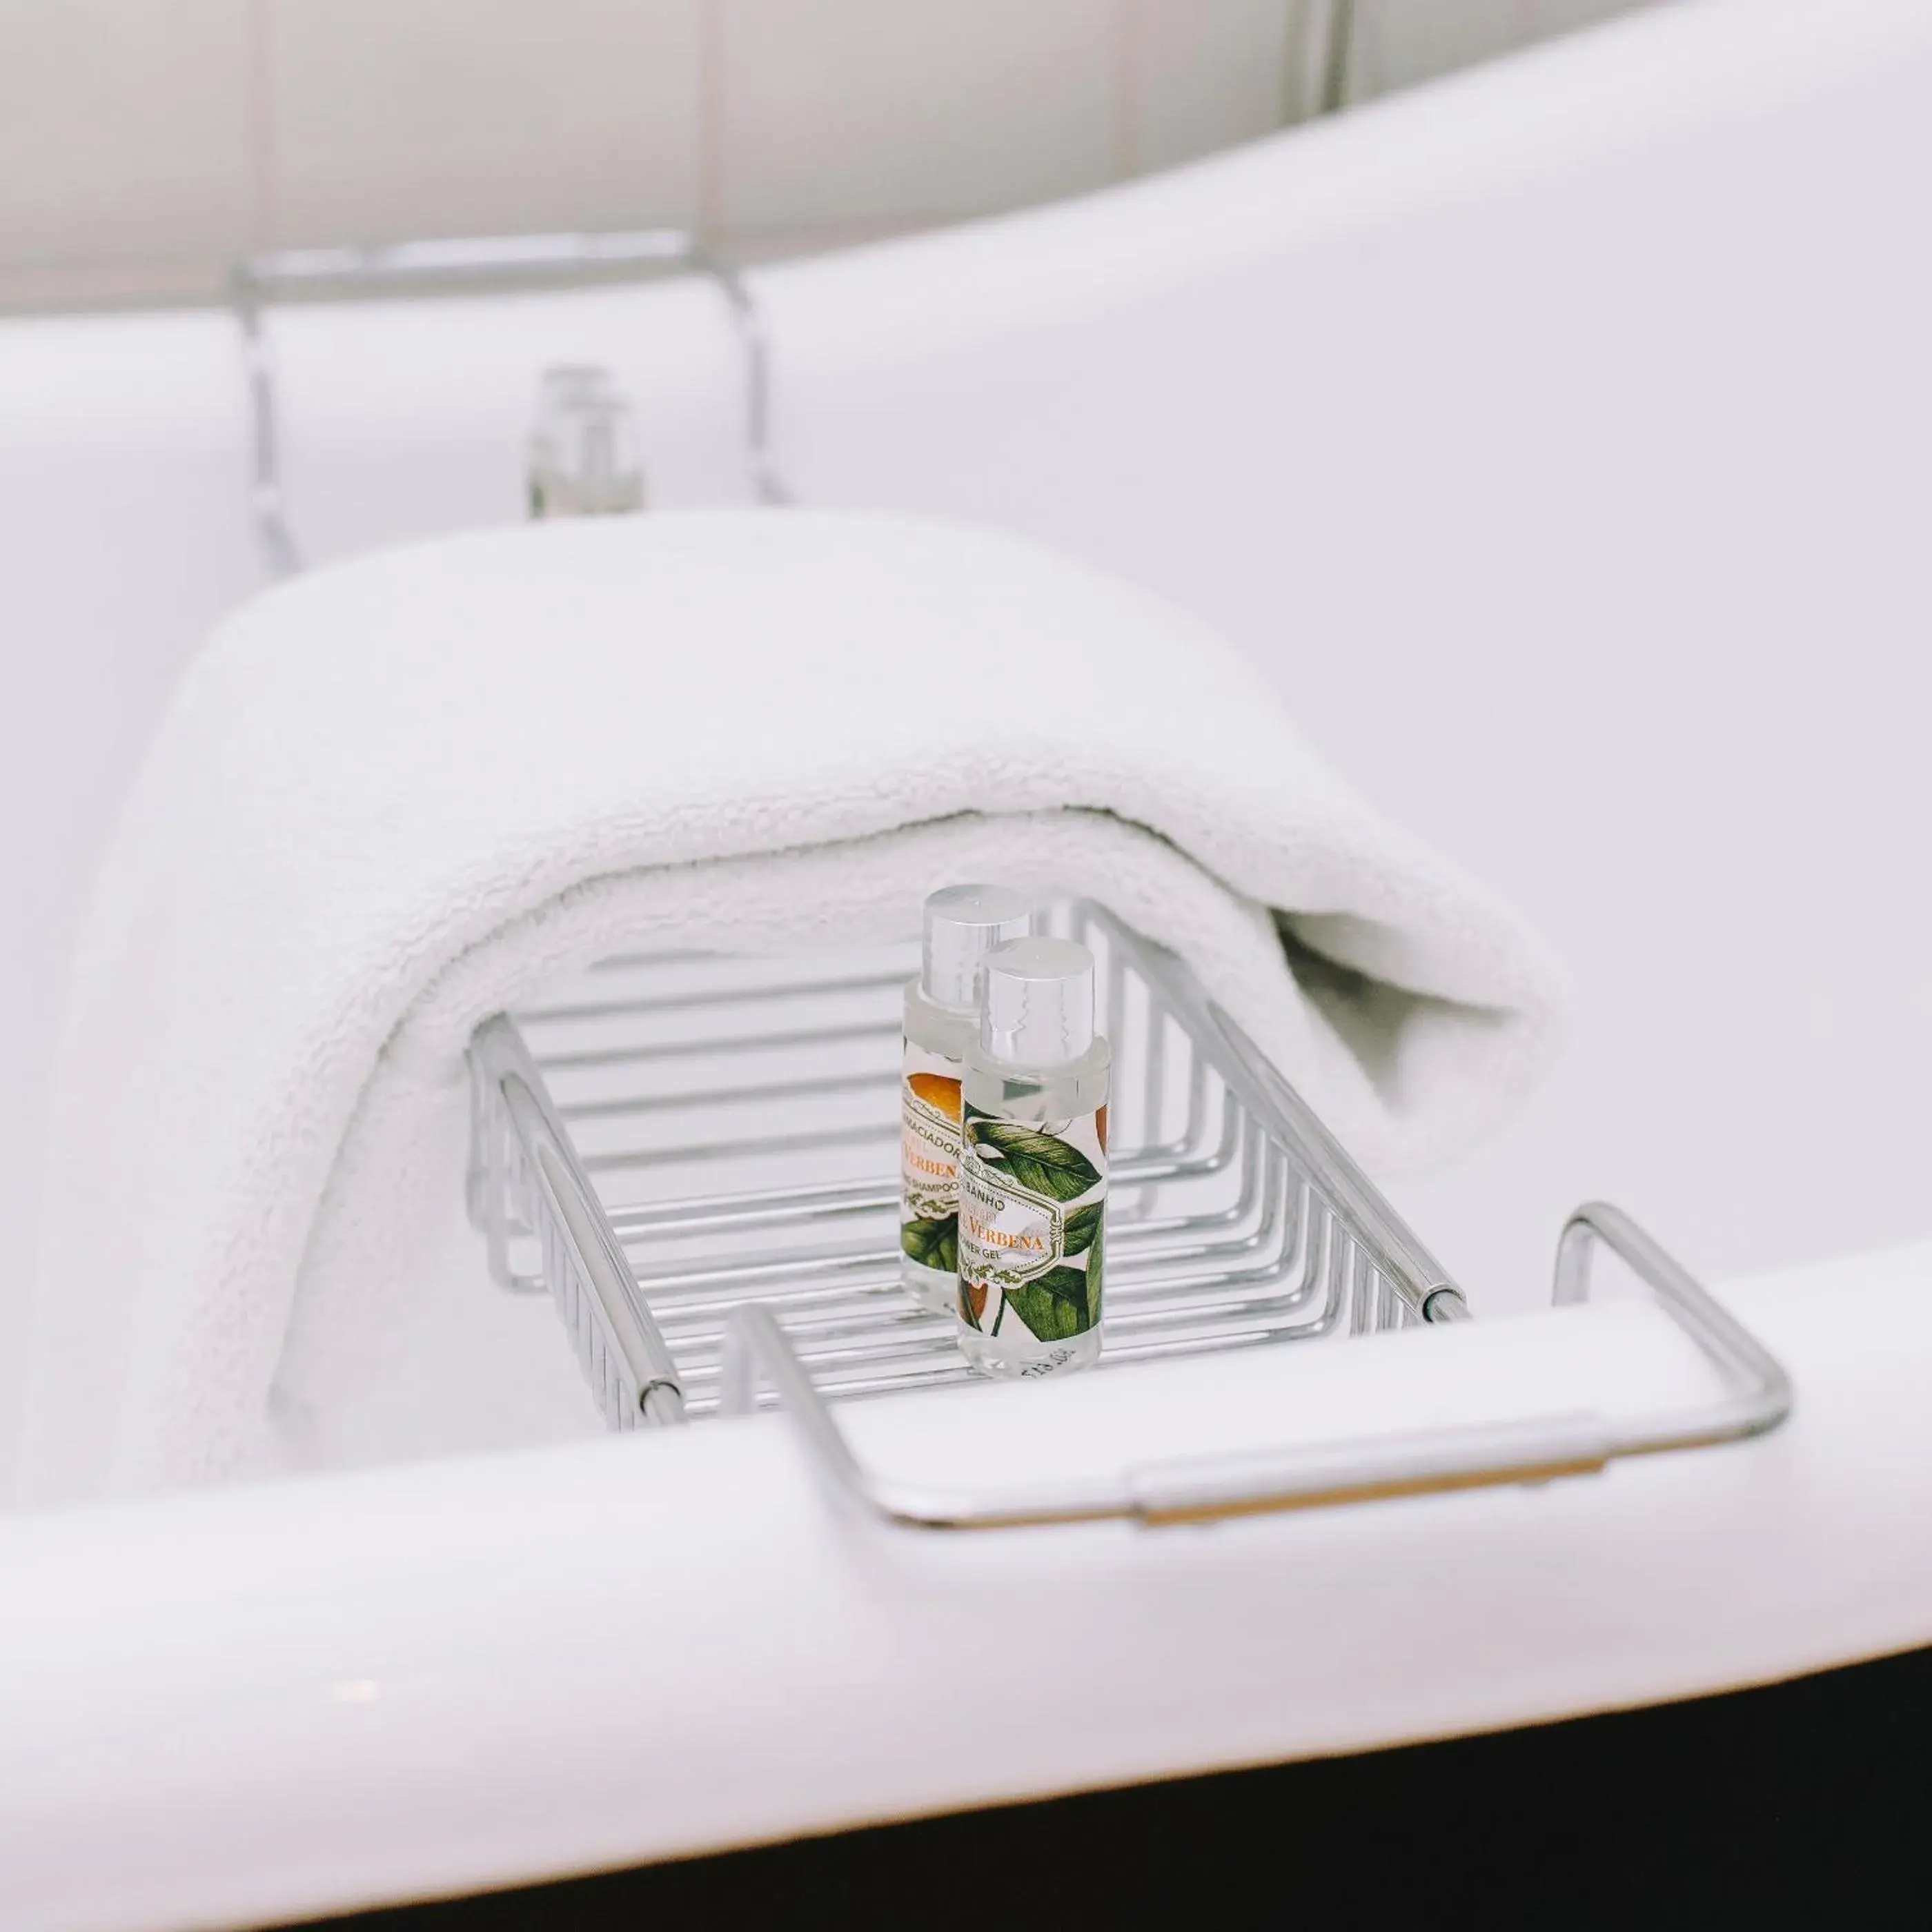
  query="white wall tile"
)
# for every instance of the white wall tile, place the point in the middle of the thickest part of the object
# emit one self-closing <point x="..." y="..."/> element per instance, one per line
<point x="1551" y="17"/>
<point x="1398" y="43"/>
<point x="125" y="133"/>
<point x="145" y="143"/>
<point x="856" y="111"/>
<point x="1209" y="73"/>
<point x="395" y="118"/>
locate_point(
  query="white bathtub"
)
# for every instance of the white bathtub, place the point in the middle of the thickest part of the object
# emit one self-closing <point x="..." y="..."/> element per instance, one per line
<point x="1556" y="439"/>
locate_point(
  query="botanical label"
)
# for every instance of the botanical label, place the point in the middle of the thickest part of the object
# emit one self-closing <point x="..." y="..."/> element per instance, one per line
<point x="929" y="1159"/>
<point x="1032" y="1198"/>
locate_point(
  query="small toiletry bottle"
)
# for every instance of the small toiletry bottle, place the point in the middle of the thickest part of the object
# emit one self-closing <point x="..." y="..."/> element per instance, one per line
<point x="1033" y="1170"/>
<point x="963" y="924"/>
<point x="582" y="454"/>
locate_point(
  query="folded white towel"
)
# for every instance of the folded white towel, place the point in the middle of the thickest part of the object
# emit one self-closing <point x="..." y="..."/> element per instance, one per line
<point x="393" y="797"/>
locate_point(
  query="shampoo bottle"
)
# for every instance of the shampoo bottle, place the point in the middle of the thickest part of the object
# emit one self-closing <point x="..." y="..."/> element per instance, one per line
<point x="963" y="924"/>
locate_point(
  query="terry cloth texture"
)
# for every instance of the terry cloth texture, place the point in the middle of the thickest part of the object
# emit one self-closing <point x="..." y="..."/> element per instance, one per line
<point x="395" y="796"/>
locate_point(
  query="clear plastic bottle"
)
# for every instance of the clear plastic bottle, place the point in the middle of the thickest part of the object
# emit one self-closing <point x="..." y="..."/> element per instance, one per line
<point x="583" y="456"/>
<point x="963" y="924"/>
<point x="1033" y="1171"/>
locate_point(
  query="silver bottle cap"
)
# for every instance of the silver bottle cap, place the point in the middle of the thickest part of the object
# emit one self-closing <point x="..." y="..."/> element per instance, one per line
<point x="963" y="924"/>
<point x="1039" y="1003"/>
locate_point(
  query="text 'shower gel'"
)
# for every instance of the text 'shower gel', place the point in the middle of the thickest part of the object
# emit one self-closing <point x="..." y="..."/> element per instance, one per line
<point x="963" y="924"/>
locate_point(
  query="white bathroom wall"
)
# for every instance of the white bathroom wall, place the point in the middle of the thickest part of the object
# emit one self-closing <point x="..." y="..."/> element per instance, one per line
<point x="145" y="144"/>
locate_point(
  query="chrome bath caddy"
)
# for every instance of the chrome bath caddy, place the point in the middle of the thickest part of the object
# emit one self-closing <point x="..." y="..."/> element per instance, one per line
<point x="695" y="1156"/>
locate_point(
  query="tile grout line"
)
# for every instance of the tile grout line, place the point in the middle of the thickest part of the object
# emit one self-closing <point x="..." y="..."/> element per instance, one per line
<point x="1129" y="84"/>
<point x="709" y="131"/>
<point x="262" y="197"/>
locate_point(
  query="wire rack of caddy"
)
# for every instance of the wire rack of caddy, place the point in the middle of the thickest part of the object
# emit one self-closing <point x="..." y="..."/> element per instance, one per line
<point x="697" y="1157"/>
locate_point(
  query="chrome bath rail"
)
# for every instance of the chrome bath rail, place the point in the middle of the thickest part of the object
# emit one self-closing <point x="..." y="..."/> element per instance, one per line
<point x="1367" y="1468"/>
<point x="487" y="262"/>
<point x="1238" y="1220"/>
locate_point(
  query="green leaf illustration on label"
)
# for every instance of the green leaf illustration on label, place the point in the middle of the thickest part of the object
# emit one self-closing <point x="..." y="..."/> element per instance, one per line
<point x="1093" y="1279"/>
<point x="1083" y="1227"/>
<point x="1055" y="1307"/>
<point x="933" y="1244"/>
<point x="1039" y="1162"/>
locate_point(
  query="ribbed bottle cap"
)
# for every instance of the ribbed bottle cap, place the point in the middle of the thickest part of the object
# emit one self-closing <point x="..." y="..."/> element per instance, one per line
<point x="963" y="924"/>
<point x="1039" y="1003"/>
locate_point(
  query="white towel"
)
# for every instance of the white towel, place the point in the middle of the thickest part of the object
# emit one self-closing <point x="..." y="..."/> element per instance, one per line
<point x="393" y="797"/>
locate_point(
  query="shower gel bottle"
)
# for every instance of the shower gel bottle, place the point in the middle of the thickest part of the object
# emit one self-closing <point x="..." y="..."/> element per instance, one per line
<point x="1033" y="1170"/>
<point x="963" y="924"/>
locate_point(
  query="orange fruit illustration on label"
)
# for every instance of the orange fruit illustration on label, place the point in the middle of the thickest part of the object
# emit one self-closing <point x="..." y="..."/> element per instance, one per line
<point x="1100" y="1126"/>
<point x="974" y="1295"/>
<point x="939" y="1093"/>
